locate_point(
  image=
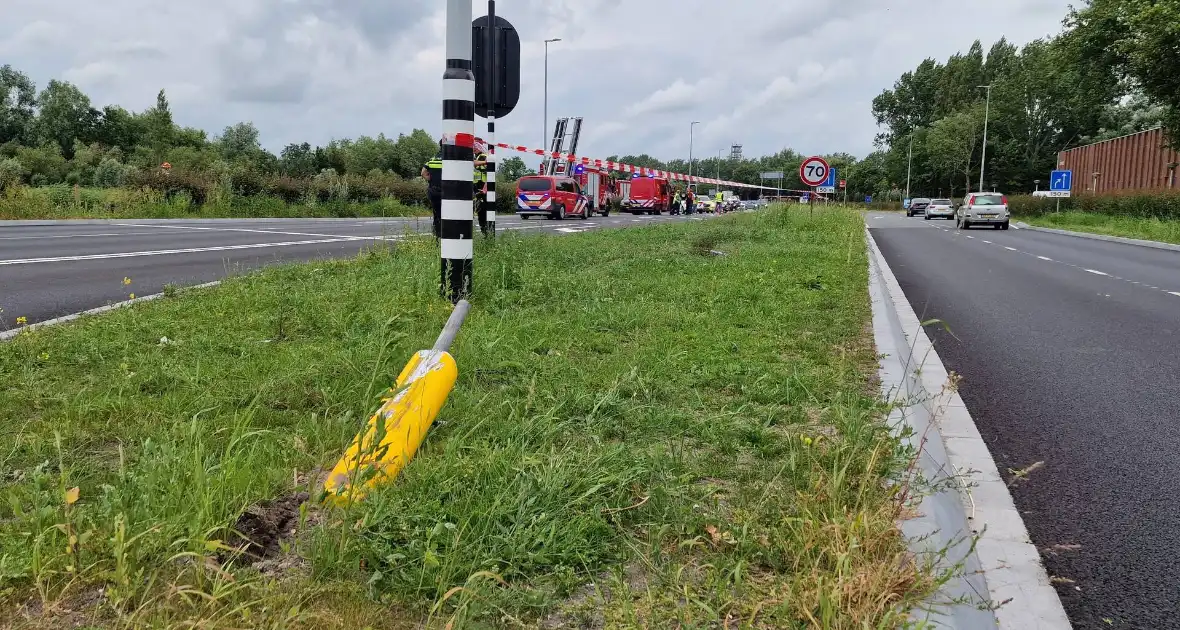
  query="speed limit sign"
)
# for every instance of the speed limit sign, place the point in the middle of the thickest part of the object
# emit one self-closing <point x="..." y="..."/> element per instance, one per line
<point x="813" y="171"/>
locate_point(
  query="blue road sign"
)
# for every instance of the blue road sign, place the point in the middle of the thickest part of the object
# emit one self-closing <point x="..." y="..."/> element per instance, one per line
<point x="868" y="199"/>
<point x="1061" y="180"/>
<point x="905" y="203"/>
<point x="805" y="197"/>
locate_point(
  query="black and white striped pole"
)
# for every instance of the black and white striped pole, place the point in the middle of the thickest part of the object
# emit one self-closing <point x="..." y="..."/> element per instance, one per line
<point x="456" y="245"/>
<point x="490" y="198"/>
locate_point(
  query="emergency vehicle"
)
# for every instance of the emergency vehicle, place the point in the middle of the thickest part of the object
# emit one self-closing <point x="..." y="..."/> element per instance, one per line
<point x="599" y="186"/>
<point x="646" y="195"/>
<point x="551" y="196"/>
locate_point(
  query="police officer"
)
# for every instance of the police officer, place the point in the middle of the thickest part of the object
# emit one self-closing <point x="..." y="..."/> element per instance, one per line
<point x="718" y="199"/>
<point x="480" y="182"/>
<point x="432" y="173"/>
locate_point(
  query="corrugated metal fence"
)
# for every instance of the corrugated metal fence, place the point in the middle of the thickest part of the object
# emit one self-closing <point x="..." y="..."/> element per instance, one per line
<point x="1139" y="161"/>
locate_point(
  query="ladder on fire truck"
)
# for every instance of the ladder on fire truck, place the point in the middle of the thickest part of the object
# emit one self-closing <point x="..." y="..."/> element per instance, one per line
<point x="561" y="133"/>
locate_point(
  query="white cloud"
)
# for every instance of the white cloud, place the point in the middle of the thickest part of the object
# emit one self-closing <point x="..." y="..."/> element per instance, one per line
<point x="676" y="97"/>
<point x="765" y="73"/>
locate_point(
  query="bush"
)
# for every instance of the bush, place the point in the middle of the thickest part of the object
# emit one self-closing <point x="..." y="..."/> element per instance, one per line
<point x="194" y="185"/>
<point x="289" y="189"/>
<point x="110" y="173"/>
<point x="1164" y="205"/>
<point x="506" y="198"/>
<point x="247" y="183"/>
<point x="12" y="172"/>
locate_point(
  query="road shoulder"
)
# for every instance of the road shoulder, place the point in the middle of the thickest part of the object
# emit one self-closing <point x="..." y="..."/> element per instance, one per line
<point x="970" y="498"/>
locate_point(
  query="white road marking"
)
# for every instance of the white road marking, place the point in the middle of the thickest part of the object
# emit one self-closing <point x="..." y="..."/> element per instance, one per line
<point x="970" y="237"/>
<point x="567" y="230"/>
<point x="1097" y="273"/>
<point x="1045" y="258"/>
<point x="1175" y="293"/>
<point x="1015" y="227"/>
<point x="165" y="252"/>
<point x="188" y="227"/>
<point x="988" y="242"/>
<point x="24" y="238"/>
<point x="1011" y="249"/>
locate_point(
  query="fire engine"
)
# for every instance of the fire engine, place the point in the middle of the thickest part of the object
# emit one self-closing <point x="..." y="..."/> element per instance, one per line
<point x="645" y="194"/>
<point x="599" y="186"/>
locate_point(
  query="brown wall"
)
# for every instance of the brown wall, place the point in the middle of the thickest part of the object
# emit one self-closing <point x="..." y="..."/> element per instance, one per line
<point x="1135" y="162"/>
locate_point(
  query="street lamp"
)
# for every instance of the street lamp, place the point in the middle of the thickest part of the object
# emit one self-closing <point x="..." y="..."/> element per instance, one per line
<point x="719" y="168"/>
<point x="690" y="128"/>
<point x="545" y="122"/>
<point x="986" y="112"/>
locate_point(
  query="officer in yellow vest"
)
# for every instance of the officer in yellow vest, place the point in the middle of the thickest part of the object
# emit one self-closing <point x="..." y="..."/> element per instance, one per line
<point x="480" y="181"/>
<point x="717" y="199"/>
<point x="432" y="173"/>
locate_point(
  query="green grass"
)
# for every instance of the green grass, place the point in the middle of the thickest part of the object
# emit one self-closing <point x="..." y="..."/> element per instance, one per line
<point x="643" y="435"/>
<point x="60" y="202"/>
<point x="1148" y="229"/>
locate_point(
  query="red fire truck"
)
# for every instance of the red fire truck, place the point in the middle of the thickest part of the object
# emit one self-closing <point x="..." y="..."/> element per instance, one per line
<point x="599" y="186"/>
<point x="645" y="194"/>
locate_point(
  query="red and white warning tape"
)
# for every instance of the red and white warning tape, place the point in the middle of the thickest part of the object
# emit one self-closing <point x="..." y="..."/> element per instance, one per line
<point x="642" y="171"/>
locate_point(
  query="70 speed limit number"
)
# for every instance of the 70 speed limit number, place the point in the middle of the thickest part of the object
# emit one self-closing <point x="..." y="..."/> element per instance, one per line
<point x="814" y="171"/>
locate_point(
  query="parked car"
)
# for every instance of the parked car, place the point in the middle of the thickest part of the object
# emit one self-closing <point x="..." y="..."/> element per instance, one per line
<point x="983" y="209"/>
<point x="940" y="209"/>
<point x="917" y="206"/>
<point x="552" y="196"/>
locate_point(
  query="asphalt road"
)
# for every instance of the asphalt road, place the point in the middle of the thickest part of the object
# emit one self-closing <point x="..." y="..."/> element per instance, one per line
<point x="1069" y="351"/>
<point x="53" y="268"/>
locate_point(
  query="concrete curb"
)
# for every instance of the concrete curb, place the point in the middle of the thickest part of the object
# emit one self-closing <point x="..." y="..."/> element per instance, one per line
<point x="10" y="334"/>
<point x="1102" y="237"/>
<point x="1000" y="581"/>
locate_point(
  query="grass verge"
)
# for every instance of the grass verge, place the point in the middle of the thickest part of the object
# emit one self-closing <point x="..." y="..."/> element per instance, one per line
<point x="1147" y="229"/>
<point x="644" y="434"/>
<point x="62" y="202"/>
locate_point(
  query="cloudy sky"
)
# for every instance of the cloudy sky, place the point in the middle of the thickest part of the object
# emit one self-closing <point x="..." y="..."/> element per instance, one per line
<point x="768" y="74"/>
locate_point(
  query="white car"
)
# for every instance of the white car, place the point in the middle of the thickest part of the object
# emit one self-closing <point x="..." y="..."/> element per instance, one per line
<point x="983" y="209"/>
<point x="940" y="209"/>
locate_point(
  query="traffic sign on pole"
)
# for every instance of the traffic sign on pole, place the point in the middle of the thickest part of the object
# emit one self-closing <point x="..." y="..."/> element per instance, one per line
<point x="868" y="199"/>
<point x="843" y="183"/>
<point x="829" y="185"/>
<point x="814" y="171"/>
<point x="1060" y="183"/>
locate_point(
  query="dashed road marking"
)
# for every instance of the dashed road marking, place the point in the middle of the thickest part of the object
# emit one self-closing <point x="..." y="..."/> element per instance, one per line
<point x="1045" y="258"/>
<point x="1098" y="273"/>
<point x="1175" y="293"/>
<point x="1011" y="249"/>
<point x="988" y="242"/>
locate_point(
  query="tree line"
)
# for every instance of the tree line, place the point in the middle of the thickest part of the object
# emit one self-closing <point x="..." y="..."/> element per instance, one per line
<point x="58" y="136"/>
<point x="1110" y="72"/>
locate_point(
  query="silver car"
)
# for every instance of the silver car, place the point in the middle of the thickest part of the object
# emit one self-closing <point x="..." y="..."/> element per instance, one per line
<point x="983" y="209"/>
<point x="940" y="209"/>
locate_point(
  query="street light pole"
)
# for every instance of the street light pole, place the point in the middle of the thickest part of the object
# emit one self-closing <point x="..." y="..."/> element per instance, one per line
<point x="545" y="122"/>
<point x="690" y="128"/>
<point x="986" y="113"/>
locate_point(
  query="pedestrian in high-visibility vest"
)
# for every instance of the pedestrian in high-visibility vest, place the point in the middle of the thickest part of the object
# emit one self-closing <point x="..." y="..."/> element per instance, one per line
<point x="480" y="181"/>
<point x="432" y="173"/>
